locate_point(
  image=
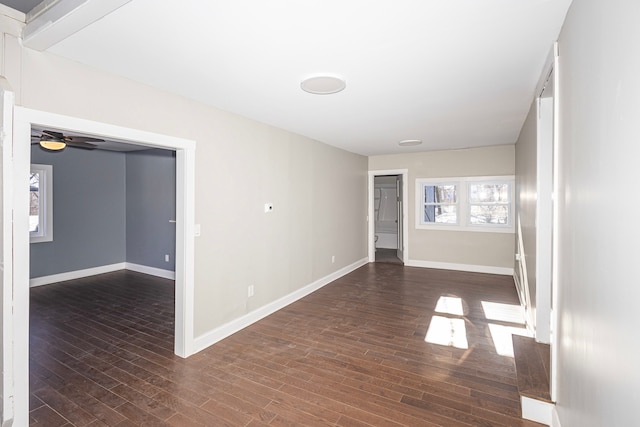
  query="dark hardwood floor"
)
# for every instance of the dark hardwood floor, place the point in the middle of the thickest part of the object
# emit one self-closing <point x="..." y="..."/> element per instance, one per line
<point x="387" y="255"/>
<point x="351" y="354"/>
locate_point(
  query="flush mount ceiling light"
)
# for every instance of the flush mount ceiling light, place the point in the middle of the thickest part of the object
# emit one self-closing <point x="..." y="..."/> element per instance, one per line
<point x="410" y="142"/>
<point x="52" y="144"/>
<point x="323" y="85"/>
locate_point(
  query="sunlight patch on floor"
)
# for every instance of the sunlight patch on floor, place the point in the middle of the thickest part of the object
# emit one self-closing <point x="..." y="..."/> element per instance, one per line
<point x="450" y="305"/>
<point x="448" y="332"/>
<point x="501" y="336"/>
<point x="503" y="312"/>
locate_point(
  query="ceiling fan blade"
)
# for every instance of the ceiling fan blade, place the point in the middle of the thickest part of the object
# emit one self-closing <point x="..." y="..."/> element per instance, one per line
<point x="81" y="139"/>
<point x="81" y="144"/>
<point x="56" y="135"/>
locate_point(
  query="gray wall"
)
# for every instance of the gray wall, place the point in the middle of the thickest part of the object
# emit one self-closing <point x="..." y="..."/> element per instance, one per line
<point x="151" y="188"/>
<point x="109" y="208"/>
<point x="599" y="378"/>
<point x="88" y="211"/>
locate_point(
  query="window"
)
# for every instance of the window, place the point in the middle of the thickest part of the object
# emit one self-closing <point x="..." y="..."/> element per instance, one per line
<point x="440" y="203"/>
<point x="489" y="203"/>
<point x="465" y="204"/>
<point x="41" y="203"/>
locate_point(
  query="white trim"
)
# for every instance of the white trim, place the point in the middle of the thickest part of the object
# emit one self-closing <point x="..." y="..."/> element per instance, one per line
<point x="489" y="269"/>
<point x="56" y="20"/>
<point x="544" y="218"/>
<point x="371" y="211"/>
<point x="555" y="418"/>
<point x="45" y="225"/>
<point x="537" y="410"/>
<point x="88" y="272"/>
<point x="77" y="274"/>
<point x="555" y="281"/>
<point x="463" y="204"/>
<point x="21" y="165"/>
<point x="152" y="271"/>
<point x="12" y="13"/>
<point x="522" y="284"/>
<point x="7" y="260"/>
<point x="228" y="329"/>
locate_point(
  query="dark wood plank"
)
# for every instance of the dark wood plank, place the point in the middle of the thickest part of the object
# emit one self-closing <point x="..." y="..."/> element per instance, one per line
<point x="351" y="354"/>
<point x="532" y="366"/>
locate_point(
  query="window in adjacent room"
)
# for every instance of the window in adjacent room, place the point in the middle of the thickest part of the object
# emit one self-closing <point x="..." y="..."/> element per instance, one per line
<point x="490" y="203"/>
<point x="41" y="203"/>
<point x="440" y="203"/>
<point x="465" y="204"/>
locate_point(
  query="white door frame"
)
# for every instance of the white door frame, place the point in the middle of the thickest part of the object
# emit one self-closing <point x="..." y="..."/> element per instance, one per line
<point x="547" y="212"/>
<point x="405" y="211"/>
<point x="544" y="218"/>
<point x="6" y="259"/>
<point x="185" y="194"/>
<point x="555" y="282"/>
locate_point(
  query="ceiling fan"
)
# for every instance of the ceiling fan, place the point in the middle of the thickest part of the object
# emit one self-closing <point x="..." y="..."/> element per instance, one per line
<point x="54" y="141"/>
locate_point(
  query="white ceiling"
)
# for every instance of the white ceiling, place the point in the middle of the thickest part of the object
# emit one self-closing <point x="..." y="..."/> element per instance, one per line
<point x="453" y="73"/>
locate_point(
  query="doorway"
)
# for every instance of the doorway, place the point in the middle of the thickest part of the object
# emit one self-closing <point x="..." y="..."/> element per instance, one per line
<point x="547" y="212"/>
<point x="24" y="119"/>
<point x="388" y="216"/>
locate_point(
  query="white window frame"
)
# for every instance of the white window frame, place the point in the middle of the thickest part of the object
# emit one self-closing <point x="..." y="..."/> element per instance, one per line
<point x="508" y="204"/>
<point x="423" y="203"/>
<point x="464" y="204"/>
<point x="45" y="216"/>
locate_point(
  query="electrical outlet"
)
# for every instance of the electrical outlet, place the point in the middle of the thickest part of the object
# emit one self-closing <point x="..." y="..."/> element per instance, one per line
<point x="166" y="258"/>
<point x="250" y="291"/>
<point x="333" y="259"/>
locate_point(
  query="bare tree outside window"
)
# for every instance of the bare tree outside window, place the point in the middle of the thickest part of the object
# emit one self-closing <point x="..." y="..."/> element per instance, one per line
<point x="41" y="203"/>
<point x="440" y="204"/>
<point x="489" y="203"/>
<point x="34" y="201"/>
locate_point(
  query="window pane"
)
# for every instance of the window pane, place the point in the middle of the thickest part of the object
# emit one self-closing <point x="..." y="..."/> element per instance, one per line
<point x="489" y="214"/>
<point x="34" y="201"/>
<point x="489" y="193"/>
<point x="440" y="214"/>
<point x="440" y="194"/>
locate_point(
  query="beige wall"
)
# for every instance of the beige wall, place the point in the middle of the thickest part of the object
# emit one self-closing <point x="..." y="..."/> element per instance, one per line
<point x="599" y="95"/>
<point x="495" y="250"/>
<point x="526" y="196"/>
<point x="318" y="192"/>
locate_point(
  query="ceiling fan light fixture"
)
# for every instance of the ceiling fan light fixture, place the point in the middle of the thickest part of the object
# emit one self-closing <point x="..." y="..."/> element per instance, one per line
<point x="52" y="145"/>
<point x="410" y="142"/>
<point x="323" y="85"/>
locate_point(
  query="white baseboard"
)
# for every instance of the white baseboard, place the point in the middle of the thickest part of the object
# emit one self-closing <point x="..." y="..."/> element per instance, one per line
<point x="218" y="334"/>
<point x="88" y="272"/>
<point x="555" y="418"/>
<point x="158" y="272"/>
<point x="78" y="274"/>
<point x="460" y="267"/>
<point x="537" y="410"/>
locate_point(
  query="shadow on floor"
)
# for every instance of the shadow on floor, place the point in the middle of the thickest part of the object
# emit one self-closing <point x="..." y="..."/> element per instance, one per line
<point x="387" y="255"/>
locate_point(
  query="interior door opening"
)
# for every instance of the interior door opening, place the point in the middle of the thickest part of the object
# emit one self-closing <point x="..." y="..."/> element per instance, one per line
<point x="24" y="120"/>
<point x="387" y="216"/>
